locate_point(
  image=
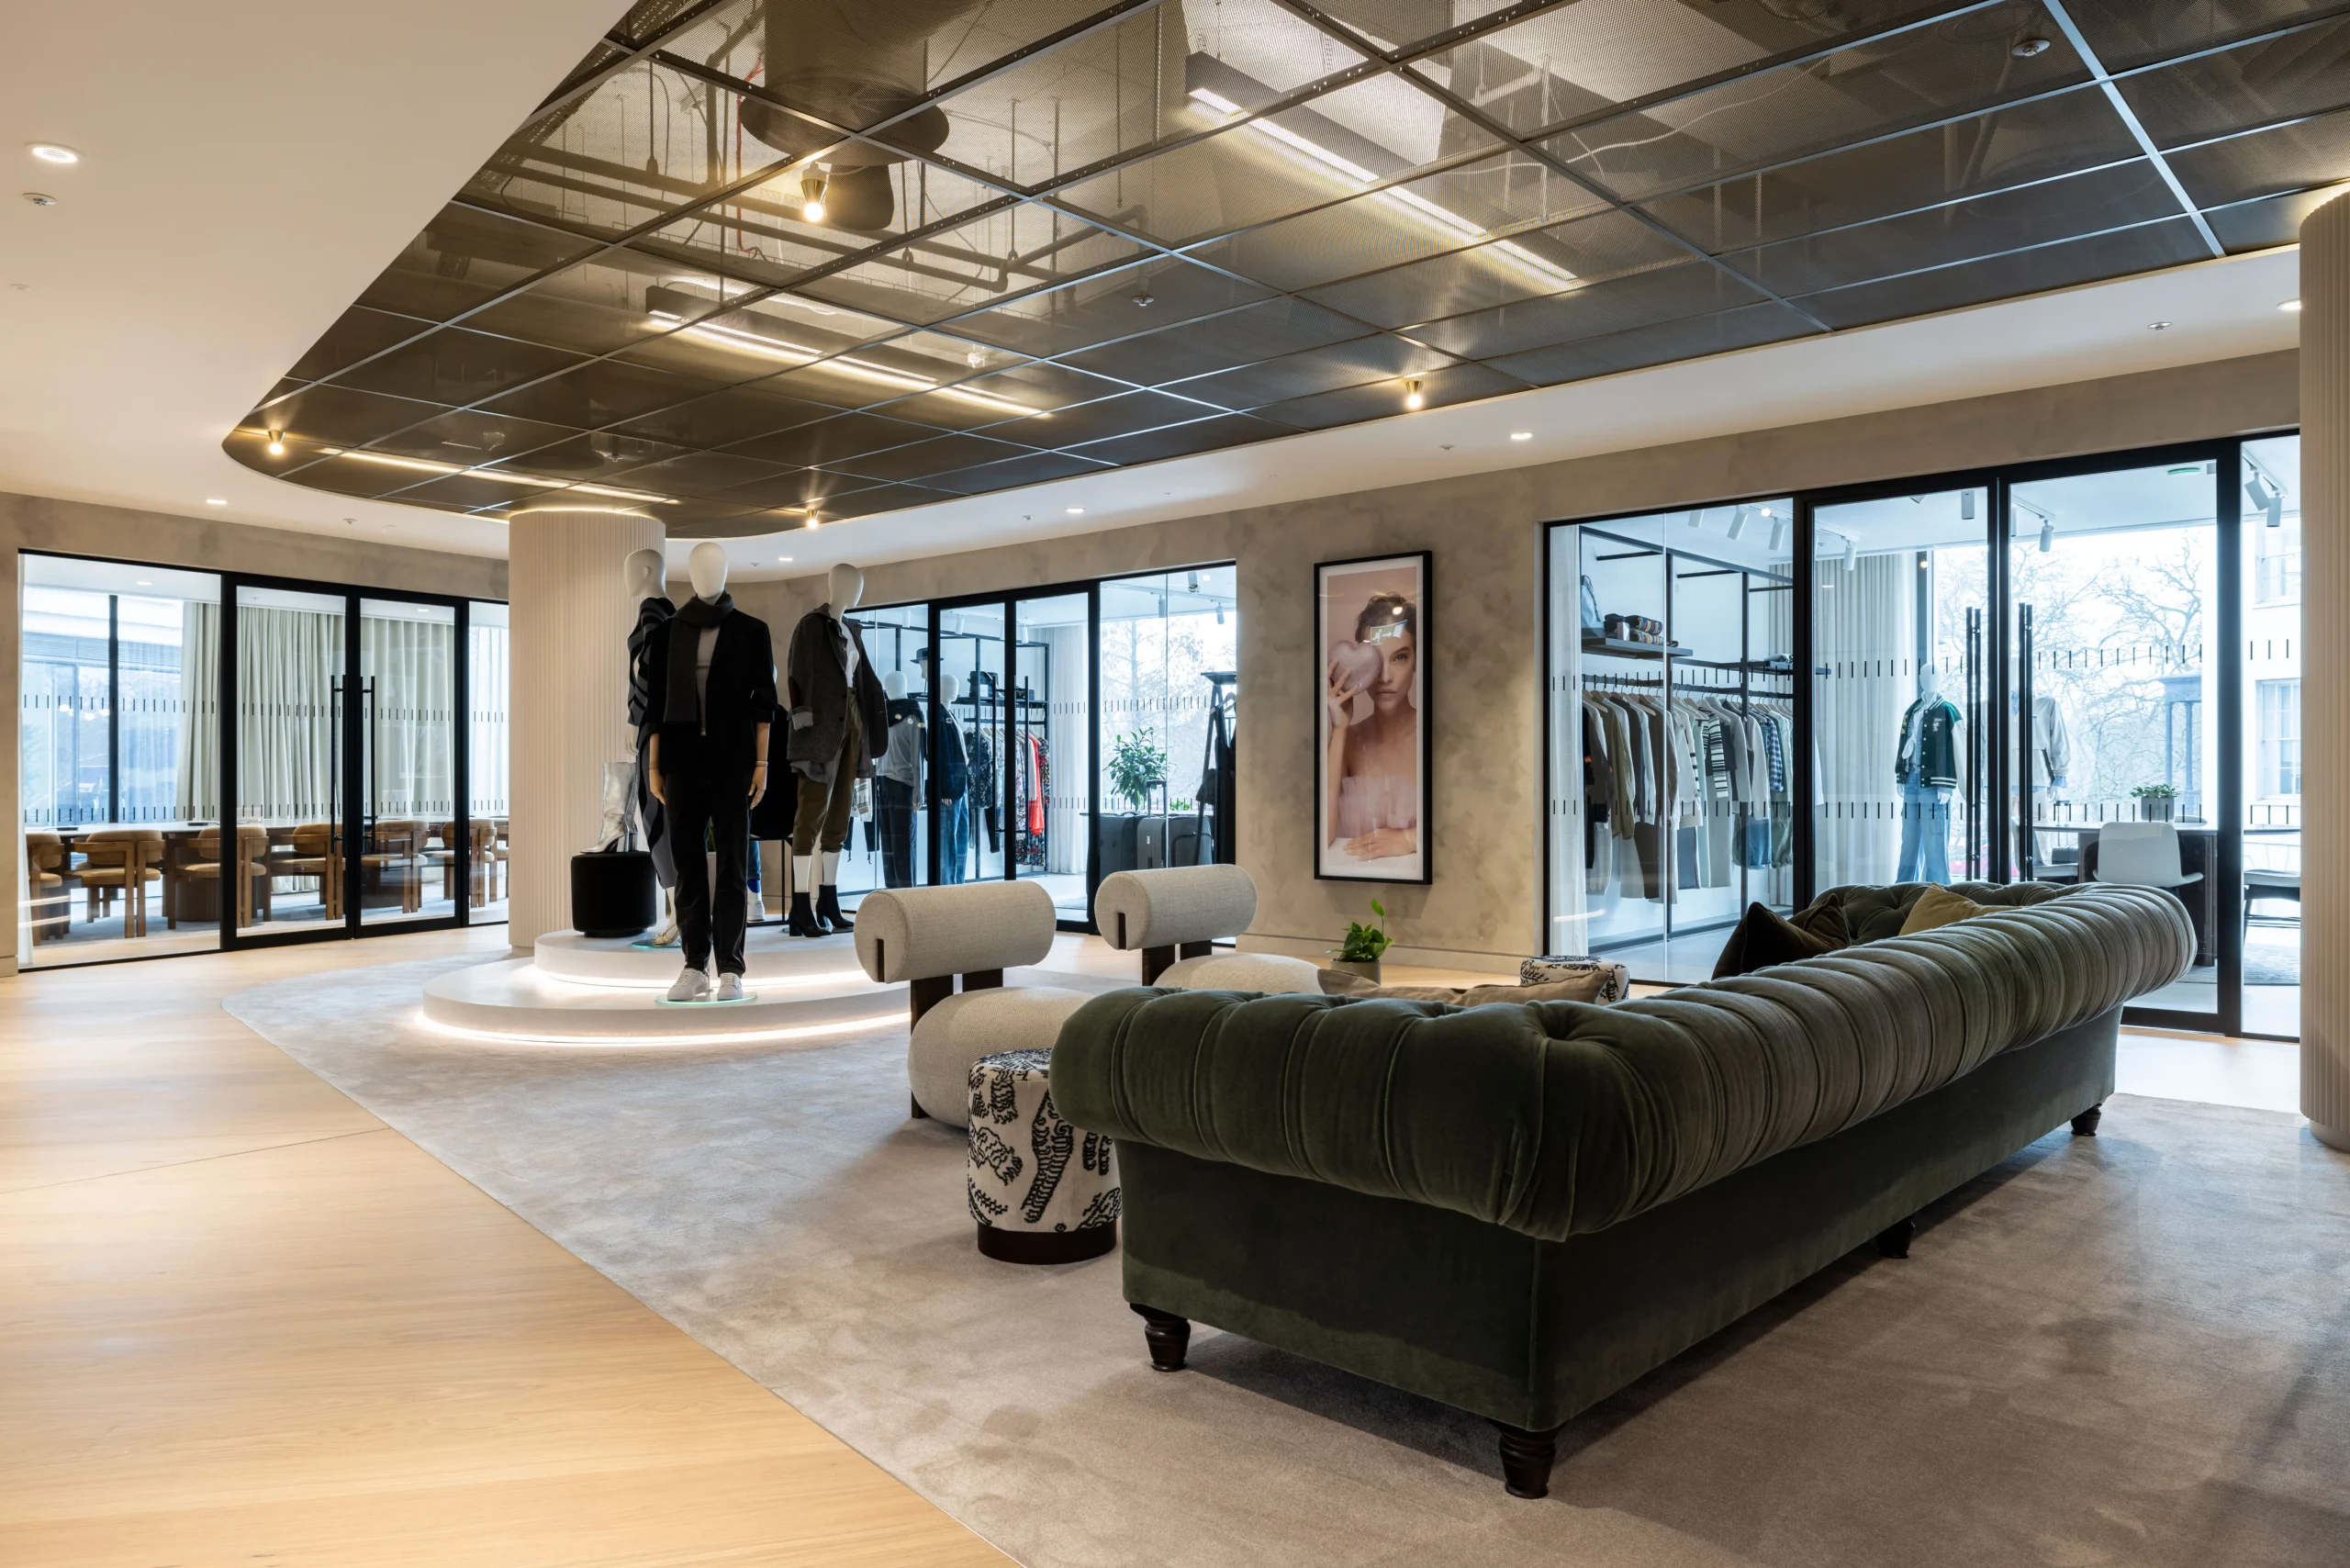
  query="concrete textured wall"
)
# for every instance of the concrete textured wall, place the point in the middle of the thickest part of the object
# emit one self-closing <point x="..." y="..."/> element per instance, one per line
<point x="1483" y="908"/>
<point x="197" y="543"/>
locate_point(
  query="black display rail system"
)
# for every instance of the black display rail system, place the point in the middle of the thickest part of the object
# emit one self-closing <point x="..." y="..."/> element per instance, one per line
<point x="1668" y="670"/>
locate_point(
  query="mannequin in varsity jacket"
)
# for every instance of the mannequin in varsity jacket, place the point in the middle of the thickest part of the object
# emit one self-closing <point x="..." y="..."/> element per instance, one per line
<point x="1926" y="768"/>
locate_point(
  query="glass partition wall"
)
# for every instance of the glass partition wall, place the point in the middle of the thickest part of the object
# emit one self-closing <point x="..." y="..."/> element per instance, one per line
<point x="339" y="744"/>
<point x="1056" y="735"/>
<point x="1671" y="733"/>
<point x="2068" y="671"/>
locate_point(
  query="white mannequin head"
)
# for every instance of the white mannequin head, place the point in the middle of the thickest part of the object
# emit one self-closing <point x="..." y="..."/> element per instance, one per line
<point x="848" y="587"/>
<point x="647" y="574"/>
<point x="950" y="687"/>
<point x="707" y="567"/>
<point x="895" y="684"/>
<point x="1929" y="683"/>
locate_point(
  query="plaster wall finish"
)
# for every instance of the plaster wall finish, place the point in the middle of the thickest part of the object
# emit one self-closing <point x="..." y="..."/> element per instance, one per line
<point x="1482" y="909"/>
<point x="199" y="543"/>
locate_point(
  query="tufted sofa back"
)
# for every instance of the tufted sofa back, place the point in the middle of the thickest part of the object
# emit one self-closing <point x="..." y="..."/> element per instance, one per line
<point x="1560" y="1118"/>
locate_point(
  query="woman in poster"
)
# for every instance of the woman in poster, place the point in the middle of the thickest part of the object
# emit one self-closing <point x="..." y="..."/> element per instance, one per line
<point x="1372" y="810"/>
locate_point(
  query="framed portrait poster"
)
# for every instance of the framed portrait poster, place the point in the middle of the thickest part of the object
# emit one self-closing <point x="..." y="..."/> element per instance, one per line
<point x="1371" y="725"/>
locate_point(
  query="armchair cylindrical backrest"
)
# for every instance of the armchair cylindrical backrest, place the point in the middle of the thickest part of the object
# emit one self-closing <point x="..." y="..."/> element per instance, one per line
<point x="314" y="839"/>
<point x="910" y="934"/>
<point x="45" y="851"/>
<point x="1175" y="906"/>
<point x="113" y="848"/>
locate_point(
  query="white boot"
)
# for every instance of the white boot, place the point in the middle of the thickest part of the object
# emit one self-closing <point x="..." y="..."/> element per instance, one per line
<point x="730" y="989"/>
<point x="692" y="985"/>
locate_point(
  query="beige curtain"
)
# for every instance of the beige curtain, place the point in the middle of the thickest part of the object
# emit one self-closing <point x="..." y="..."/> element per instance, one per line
<point x="1862" y="637"/>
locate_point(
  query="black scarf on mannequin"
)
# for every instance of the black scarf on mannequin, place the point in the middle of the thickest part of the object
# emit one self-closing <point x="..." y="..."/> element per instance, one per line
<point x="684" y="698"/>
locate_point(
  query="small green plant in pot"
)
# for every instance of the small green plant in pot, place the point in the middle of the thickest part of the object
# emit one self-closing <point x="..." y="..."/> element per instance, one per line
<point x="1137" y="766"/>
<point x="1359" y="953"/>
<point x="2156" y="802"/>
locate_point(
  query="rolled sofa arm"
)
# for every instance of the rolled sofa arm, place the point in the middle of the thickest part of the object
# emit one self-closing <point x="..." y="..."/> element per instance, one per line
<point x="1558" y="1118"/>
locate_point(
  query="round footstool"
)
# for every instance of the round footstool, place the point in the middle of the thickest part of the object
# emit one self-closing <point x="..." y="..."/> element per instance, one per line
<point x="1042" y="1190"/>
<point x="1271" y="972"/>
<point x="962" y="1028"/>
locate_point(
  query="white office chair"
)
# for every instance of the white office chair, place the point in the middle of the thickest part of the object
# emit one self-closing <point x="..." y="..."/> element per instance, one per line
<point x="2142" y="855"/>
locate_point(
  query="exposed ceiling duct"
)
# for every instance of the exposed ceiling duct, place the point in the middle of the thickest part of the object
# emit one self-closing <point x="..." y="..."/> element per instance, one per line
<point x="852" y="64"/>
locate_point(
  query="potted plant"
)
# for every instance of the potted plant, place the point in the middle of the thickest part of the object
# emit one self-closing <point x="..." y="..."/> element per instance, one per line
<point x="1137" y="766"/>
<point x="2155" y="802"/>
<point x="1358" y="954"/>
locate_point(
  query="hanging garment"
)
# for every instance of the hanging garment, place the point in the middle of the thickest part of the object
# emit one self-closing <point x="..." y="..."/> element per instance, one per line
<point x="897" y="823"/>
<point x="652" y="617"/>
<point x="903" y="756"/>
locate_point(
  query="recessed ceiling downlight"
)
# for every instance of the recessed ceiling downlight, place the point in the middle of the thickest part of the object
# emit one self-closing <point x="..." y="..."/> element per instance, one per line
<point x="1521" y="435"/>
<point x="52" y="152"/>
<point x="216" y="501"/>
<point x="2289" y="307"/>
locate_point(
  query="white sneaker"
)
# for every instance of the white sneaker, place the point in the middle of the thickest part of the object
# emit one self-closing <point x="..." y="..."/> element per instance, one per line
<point x="730" y="989"/>
<point x="692" y="985"/>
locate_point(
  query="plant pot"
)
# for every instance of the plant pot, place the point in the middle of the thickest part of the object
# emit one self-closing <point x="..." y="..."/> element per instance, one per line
<point x="1367" y="967"/>
<point x="2156" y="810"/>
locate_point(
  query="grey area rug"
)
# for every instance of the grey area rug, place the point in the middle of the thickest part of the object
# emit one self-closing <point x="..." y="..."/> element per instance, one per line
<point x="2134" y="1349"/>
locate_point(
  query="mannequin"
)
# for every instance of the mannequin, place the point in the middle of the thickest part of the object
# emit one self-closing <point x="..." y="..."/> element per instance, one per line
<point x="840" y="717"/>
<point x="954" y="787"/>
<point x="647" y="573"/>
<point x="1925" y="766"/>
<point x="897" y="784"/>
<point x="714" y="684"/>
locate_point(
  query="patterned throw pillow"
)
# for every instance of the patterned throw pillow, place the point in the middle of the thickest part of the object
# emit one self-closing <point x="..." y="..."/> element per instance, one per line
<point x="1615" y="980"/>
<point x="1583" y="986"/>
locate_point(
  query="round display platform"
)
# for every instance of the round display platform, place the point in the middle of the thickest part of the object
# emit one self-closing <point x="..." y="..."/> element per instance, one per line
<point x="608" y="992"/>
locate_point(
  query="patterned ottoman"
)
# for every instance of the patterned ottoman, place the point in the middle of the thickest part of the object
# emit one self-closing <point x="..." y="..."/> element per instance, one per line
<point x="1042" y="1190"/>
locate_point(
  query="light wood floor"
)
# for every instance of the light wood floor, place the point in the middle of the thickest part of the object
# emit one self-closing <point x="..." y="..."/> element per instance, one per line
<point x="241" y="1321"/>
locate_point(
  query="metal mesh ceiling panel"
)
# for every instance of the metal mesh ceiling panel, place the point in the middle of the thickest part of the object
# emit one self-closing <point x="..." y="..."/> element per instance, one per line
<point x="752" y="258"/>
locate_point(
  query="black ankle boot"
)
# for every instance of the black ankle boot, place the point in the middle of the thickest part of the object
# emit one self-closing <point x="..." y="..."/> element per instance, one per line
<point x="828" y="909"/>
<point x="803" y="917"/>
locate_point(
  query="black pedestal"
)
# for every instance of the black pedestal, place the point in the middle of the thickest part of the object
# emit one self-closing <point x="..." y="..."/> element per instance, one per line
<point x="613" y="892"/>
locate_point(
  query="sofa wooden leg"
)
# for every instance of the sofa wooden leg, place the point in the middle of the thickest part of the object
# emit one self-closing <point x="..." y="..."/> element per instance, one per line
<point x="1168" y="1336"/>
<point x="2085" y="1125"/>
<point x="1526" y="1458"/>
<point x="1893" y="1240"/>
<point x="920" y="1115"/>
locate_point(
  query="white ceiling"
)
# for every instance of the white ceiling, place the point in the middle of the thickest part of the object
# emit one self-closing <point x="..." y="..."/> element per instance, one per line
<point x="247" y="171"/>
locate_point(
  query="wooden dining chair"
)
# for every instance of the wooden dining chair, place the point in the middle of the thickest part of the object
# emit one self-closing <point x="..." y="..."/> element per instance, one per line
<point x="121" y="860"/>
<point x="238" y="873"/>
<point x="397" y="848"/>
<point x="50" y="910"/>
<point x="313" y="851"/>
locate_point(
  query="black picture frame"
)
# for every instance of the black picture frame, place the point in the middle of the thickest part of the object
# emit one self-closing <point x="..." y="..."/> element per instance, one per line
<point x="1341" y="586"/>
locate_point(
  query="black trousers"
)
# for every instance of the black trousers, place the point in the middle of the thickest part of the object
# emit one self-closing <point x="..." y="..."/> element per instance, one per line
<point x="893" y="804"/>
<point x="713" y="804"/>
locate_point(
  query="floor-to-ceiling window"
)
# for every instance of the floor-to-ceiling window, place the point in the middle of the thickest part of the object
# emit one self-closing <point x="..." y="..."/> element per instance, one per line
<point x="118" y="752"/>
<point x="334" y="722"/>
<point x="2065" y="671"/>
<point x="1055" y="735"/>
<point x="1671" y="718"/>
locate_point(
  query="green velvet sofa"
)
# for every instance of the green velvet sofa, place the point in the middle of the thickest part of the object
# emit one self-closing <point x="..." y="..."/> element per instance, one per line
<point x="1519" y="1209"/>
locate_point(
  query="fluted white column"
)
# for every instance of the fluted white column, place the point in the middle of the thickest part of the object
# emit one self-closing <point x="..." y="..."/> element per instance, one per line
<point x="2325" y="671"/>
<point x="571" y="620"/>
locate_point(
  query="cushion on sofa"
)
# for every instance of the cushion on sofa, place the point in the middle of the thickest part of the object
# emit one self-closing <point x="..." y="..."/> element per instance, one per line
<point x="1938" y="907"/>
<point x="1765" y="938"/>
<point x="1874" y="913"/>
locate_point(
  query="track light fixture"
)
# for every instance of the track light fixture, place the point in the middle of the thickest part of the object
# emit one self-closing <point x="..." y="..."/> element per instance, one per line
<point x="2047" y="535"/>
<point x="2266" y="498"/>
<point x="278" y="444"/>
<point x="1778" y="530"/>
<point x="1852" y="554"/>
<point x="1412" y="397"/>
<point x="1967" y="506"/>
<point x="1737" y="521"/>
<point x="812" y="195"/>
